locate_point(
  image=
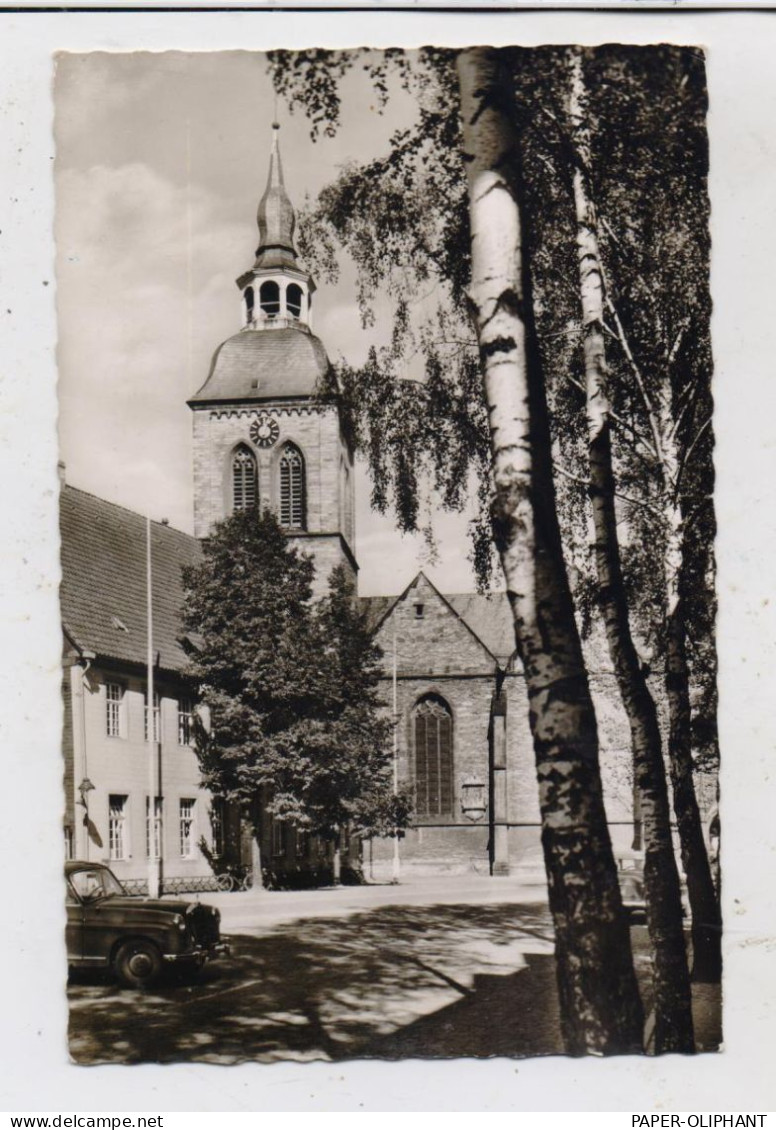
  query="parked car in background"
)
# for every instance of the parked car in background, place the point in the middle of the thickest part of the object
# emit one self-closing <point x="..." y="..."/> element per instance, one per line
<point x="134" y="937"/>
<point x="630" y="873"/>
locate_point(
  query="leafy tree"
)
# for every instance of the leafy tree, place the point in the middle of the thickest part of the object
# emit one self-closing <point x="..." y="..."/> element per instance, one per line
<point x="673" y="1016"/>
<point x="291" y="688"/>
<point x="600" y="1006"/>
<point x="647" y="172"/>
<point x="646" y="111"/>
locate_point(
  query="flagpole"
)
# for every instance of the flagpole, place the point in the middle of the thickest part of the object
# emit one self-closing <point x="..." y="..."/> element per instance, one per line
<point x="153" y="873"/>
<point x="396" y="858"/>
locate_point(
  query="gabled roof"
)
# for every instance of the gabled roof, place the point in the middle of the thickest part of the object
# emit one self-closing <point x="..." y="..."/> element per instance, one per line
<point x="490" y="616"/>
<point x="487" y="616"/>
<point x="103" y="593"/>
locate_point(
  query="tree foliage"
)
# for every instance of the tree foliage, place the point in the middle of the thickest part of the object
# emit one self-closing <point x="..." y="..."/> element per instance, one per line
<point x="403" y="220"/>
<point x="290" y="686"/>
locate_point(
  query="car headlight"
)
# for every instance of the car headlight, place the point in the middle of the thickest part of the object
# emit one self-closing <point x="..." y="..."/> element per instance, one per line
<point x="179" y="921"/>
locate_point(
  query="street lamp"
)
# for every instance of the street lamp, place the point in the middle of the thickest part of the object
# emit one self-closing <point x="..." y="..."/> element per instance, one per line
<point x="84" y="789"/>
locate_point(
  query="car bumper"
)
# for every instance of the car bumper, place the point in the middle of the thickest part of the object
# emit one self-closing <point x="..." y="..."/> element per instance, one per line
<point x="199" y="956"/>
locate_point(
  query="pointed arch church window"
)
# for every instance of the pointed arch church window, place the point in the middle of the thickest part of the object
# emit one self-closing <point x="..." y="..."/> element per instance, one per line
<point x="292" y="501"/>
<point x="244" y="480"/>
<point x="294" y="300"/>
<point x="269" y="298"/>
<point x="433" y="757"/>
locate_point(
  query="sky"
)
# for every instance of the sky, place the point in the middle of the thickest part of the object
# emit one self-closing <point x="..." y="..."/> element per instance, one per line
<point x="161" y="160"/>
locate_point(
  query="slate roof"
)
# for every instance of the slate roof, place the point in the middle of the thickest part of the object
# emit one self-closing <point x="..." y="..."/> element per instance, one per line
<point x="487" y="615"/>
<point x="490" y="617"/>
<point x="265" y="364"/>
<point x="103" y="553"/>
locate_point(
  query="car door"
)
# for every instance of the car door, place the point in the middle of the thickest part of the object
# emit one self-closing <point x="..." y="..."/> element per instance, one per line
<point x="74" y="929"/>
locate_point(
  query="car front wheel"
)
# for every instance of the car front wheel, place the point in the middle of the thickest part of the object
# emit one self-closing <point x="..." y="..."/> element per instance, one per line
<point x="138" y="964"/>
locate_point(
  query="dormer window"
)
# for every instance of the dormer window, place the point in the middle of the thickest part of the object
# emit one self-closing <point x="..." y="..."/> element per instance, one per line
<point x="294" y="298"/>
<point x="269" y="299"/>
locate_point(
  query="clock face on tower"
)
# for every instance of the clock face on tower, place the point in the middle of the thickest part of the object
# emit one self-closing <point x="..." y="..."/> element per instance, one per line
<point x="264" y="430"/>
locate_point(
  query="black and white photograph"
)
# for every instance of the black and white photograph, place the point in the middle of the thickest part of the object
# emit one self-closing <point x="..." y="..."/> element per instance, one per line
<point x="403" y="530"/>
<point x="387" y="517"/>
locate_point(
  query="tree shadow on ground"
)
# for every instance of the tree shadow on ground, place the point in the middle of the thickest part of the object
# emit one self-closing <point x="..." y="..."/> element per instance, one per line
<point x="393" y="982"/>
<point x="342" y="988"/>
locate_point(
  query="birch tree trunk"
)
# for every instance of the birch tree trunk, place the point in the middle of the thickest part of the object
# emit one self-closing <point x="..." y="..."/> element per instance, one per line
<point x="600" y="1006"/>
<point x="673" y="1012"/>
<point x="704" y="904"/>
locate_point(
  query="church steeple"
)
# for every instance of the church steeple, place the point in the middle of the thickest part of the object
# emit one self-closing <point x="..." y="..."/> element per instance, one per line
<point x="275" y="216"/>
<point x="276" y="292"/>
<point x="262" y="435"/>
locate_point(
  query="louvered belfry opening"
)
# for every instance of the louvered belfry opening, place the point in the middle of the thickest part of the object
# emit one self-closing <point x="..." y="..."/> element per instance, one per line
<point x="294" y="300"/>
<point x="244" y="480"/>
<point x="269" y="298"/>
<point x="292" y="515"/>
<point x="433" y="757"/>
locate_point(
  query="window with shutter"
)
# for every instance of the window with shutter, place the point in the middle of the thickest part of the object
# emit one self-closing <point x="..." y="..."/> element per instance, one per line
<point x="433" y="757"/>
<point x="292" y="500"/>
<point x="244" y="480"/>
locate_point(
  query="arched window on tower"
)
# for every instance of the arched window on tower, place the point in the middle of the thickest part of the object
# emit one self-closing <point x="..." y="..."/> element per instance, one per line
<point x="294" y="296"/>
<point x="269" y="298"/>
<point x="249" y="299"/>
<point x="292" y="500"/>
<point x="433" y="757"/>
<point x="244" y="479"/>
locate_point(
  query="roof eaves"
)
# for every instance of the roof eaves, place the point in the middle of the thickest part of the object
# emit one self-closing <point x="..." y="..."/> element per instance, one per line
<point x="457" y="614"/>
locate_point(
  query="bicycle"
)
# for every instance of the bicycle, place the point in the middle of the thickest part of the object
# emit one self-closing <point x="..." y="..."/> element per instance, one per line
<point x="231" y="881"/>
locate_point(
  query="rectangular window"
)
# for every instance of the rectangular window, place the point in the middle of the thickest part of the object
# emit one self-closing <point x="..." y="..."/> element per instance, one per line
<point x="117" y="826"/>
<point x="116" y="713"/>
<point x="278" y="837"/>
<point x="217" y="826"/>
<point x="187" y="827"/>
<point x="185" y="721"/>
<point x="154" y="833"/>
<point x="157" y="716"/>
<point x="68" y="842"/>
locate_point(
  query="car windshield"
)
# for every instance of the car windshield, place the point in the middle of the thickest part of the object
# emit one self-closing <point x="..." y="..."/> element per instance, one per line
<point x="95" y="883"/>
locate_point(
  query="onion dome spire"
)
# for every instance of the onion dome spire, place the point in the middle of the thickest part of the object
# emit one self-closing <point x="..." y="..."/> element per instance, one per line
<point x="275" y="216"/>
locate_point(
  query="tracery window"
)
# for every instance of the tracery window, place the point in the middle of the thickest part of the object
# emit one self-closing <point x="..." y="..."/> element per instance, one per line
<point x="244" y="479"/>
<point x="292" y="500"/>
<point x="433" y="757"/>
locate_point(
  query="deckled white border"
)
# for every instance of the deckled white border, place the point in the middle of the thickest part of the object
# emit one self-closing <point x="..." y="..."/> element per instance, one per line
<point x="34" y="1073"/>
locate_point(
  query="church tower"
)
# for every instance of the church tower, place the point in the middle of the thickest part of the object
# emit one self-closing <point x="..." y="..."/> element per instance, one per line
<point x="260" y="436"/>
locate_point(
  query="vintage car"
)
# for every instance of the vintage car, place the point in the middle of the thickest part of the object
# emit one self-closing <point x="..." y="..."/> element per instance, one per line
<point x="134" y="937"/>
<point x="630" y="873"/>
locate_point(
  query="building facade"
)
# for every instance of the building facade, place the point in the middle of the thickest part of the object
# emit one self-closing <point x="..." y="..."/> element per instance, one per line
<point x="112" y="812"/>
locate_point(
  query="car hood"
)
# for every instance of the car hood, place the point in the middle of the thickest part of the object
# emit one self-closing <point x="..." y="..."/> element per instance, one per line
<point x="130" y="904"/>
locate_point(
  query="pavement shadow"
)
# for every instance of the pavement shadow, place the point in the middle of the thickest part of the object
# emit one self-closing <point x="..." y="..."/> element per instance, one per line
<point x="510" y="1015"/>
<point x="390" y="982"/>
